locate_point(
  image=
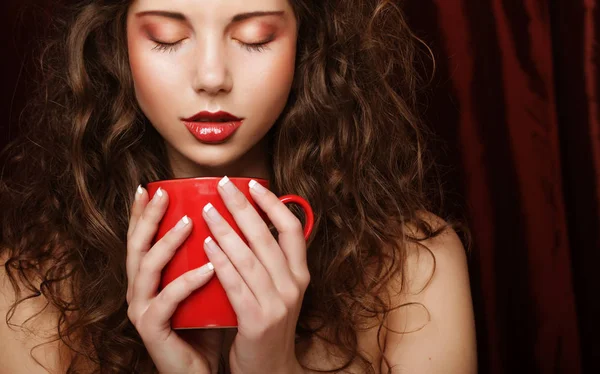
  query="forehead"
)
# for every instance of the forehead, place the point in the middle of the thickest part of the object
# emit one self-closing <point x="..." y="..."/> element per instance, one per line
<point x="210" y="8"/>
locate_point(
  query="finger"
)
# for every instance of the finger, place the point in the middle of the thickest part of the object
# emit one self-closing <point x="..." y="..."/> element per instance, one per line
<point x="172" y="354"/>
<point x="243" y="259"/>
<point x="139" y="203"/>
<point x="255" y="230"/>
<point x="151" y="265"/>
<point x="143" y="233"/>
<point x="147" y="224"/>
<point x="291" y="236"/>
<point x="241" y="297"/>
<point x="165" y="346"/>
<point x="161" y="309"/>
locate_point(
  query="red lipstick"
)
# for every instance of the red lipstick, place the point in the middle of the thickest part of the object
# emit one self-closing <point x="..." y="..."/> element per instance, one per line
<point x="212" y="128"/>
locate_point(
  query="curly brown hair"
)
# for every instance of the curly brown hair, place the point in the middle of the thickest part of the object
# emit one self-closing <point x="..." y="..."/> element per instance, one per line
<point x="349" y="141"/>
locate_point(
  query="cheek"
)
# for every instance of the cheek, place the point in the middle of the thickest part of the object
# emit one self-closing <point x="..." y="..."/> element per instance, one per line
<point x="153" y="79"/>
<point x="271" y="78"/>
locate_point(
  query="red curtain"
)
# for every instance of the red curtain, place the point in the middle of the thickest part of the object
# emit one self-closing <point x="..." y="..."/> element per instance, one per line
<point x="515" y="101"/>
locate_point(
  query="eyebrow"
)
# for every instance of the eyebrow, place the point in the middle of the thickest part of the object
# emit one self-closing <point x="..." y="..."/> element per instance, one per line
<point x="237" y="18"/>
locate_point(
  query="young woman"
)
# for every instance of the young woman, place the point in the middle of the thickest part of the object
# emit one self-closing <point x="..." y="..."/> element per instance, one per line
<point x="325" y="92"/>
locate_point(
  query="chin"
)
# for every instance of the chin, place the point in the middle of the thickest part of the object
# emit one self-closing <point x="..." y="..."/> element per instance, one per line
<point x="199" y="158"/>
<point x="216" y="159"/>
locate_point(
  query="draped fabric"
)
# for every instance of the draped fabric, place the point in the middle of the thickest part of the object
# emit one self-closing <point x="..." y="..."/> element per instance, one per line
<point x="515" y="100"/>
<point x="514" y="103"/>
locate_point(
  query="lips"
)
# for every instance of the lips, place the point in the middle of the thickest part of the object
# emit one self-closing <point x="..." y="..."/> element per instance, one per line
<point x="212" y="128"/>
<point x="212" y="117"/>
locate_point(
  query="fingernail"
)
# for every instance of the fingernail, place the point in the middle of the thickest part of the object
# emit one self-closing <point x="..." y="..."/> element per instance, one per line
<point x="227" y="186"/>
<point x="257" y="187"/>
<point x="210" y="245"/>
<point x="157" y="196"/>
<point x="182" y="223"/>
<point x="212" y="213"/>
<point x="139" y="191"/>
<point x="204" y="269"/>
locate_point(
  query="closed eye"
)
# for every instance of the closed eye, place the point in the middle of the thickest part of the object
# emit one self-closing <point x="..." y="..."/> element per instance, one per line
<point x="251" y="47"/>
<point x="257" y="47"/>
<point x="166" y="47"/>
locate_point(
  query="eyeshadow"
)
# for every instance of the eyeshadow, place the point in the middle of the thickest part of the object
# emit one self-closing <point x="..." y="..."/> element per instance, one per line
<point x="256" y="30"/>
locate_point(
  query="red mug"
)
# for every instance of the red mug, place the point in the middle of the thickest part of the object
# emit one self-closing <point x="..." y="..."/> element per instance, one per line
<point x="207" y="307"/>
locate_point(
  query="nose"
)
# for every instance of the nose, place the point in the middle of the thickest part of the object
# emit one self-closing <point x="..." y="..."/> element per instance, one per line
<point x="211" y="74"/>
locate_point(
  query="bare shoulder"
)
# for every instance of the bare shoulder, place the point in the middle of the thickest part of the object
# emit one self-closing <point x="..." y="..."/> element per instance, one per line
<point x="33" y="325"/>
<point x="443" y="255"/>
<point x="434" y="332"/>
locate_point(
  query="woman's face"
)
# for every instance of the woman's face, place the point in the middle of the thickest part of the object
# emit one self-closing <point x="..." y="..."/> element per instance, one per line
<point x="192" y="56"/>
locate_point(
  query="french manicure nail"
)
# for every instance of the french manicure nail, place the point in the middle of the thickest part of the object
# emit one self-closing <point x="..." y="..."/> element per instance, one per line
<point x="212" y="213"/>
<point x="210" y="245"/>
<point x="227" y="186"/>
<point x="204" y="269"/>
<point x="182" y="223"/>
<point x="140" y="190"/>
<point x="158" y="195"/>
<point x="257" y="187"/>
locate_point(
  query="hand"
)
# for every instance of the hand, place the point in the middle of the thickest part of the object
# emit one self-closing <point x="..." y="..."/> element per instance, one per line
<point x="265" y="280"/>
<point x="149" y="311"/>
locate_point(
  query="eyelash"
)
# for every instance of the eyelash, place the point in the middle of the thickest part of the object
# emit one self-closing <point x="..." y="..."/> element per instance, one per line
<point x="256" y="47"/>
<point x="172" y="47"/>
<point x="166" y="47"/>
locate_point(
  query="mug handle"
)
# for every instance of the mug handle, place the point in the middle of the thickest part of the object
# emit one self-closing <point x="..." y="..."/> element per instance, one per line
<point x="308" y="212"/>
